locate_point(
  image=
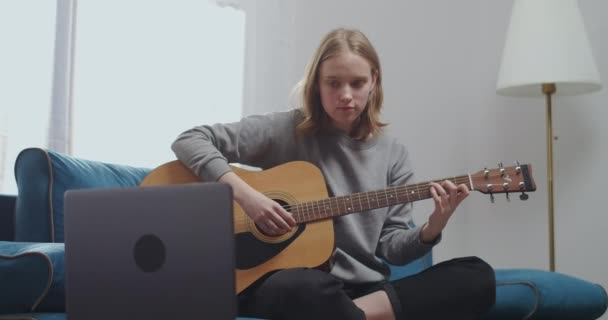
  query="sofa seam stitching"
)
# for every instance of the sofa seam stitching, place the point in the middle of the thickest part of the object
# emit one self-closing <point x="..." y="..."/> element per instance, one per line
<point x="49" y="283"/>
<point x="51" y="211"/>
<point x="49" y="278"/>
<point x="536" y="293"/>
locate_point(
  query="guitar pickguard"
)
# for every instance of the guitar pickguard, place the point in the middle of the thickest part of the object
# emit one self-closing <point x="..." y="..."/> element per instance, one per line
<point x="251" y="251"/>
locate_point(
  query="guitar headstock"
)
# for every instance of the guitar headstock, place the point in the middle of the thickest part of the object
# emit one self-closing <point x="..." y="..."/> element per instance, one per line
<point x="516" y="178"/>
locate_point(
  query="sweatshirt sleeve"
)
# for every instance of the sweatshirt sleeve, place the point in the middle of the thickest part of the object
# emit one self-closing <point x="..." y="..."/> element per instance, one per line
<point x="208" y="149"/>
<point x="400" y="241"/>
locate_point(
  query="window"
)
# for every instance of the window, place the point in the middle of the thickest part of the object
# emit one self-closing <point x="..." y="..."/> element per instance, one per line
<point x="27" y="30"/>
<point x="145" y="71"/>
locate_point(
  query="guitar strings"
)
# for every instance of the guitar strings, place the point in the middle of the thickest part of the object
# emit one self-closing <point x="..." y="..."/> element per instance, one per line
<point x="308" y="208"/>
<point x="399" y="191"/>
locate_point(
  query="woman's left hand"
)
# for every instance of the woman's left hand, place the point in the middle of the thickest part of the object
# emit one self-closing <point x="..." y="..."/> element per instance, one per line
<point x="447" y="197"/>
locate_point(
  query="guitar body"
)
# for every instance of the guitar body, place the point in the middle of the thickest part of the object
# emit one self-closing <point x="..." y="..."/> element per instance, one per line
<point x="307" y="245"/>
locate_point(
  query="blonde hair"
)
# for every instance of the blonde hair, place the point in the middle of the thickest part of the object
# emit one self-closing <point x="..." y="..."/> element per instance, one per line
<point x="307" y="90"/>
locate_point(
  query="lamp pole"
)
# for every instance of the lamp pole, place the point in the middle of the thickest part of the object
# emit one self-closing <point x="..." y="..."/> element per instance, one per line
<point x="548" y="90"/>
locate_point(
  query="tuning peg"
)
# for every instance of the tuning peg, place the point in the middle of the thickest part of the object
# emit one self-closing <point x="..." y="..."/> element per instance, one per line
<point x="500" y="165"/>
<point x="505" y="187"/>
<point x="486" y="172"/>
<point x="517" y="167"/>
<point x="502" y="169"/>
<point x="491" y="197"/>
<point x="523" y="196"/>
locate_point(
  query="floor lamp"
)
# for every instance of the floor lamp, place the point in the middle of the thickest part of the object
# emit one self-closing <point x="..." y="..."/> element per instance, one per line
<point x="547" y="53"/>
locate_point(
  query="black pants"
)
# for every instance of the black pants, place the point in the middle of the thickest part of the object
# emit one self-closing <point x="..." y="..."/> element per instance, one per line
<point x="462" y="288"/>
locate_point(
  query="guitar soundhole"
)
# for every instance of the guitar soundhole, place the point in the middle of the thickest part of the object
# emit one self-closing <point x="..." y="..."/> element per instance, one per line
<point x="284" y="205"/>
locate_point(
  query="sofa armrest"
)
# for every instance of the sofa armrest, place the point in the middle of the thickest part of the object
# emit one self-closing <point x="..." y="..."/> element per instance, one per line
<point x="7" y="217"/>
<point x="43" y="176"/>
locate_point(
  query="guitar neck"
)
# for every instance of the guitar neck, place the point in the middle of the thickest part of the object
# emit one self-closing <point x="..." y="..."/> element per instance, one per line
<point x="358" y="202"/>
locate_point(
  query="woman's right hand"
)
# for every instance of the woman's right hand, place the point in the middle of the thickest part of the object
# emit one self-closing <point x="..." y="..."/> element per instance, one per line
<point x="267" y="214"/>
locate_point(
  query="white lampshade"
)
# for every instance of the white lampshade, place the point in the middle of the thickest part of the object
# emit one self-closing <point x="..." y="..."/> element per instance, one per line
<point x="547" y="43"/>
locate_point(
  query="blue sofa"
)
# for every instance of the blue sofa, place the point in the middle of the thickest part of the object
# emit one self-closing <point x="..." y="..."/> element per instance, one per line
<point x="31" y="249"/>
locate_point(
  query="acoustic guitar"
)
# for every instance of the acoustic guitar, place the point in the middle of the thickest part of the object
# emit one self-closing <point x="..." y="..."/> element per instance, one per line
<point x="300" y="188"/>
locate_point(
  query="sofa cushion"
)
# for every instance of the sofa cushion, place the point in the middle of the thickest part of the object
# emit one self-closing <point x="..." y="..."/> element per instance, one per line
<point x="31" y="277"/>
<point x="416" y="266"/>
<point x="42" y="179"/>
<point x="537" y="294"/>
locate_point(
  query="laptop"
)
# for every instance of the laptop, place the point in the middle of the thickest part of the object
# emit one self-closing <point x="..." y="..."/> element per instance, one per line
<point x="158" y="252"/>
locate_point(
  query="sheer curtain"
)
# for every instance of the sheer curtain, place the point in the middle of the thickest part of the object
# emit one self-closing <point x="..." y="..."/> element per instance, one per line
<point x="27" y="32"/>
<point x="144" y="71"/>
<point x="270" y="54"/>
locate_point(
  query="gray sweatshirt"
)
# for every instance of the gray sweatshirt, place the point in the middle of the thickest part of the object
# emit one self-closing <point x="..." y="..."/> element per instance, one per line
<point x="364" y="241"/>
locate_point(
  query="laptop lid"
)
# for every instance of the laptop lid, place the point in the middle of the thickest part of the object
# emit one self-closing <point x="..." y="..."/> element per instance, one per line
<point x="159" y="252"/>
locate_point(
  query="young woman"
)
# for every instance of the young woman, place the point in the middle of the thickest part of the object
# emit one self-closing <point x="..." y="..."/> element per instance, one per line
<point x="338" y="129"/>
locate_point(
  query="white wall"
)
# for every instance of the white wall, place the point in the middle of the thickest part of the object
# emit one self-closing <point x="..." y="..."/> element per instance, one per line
<point x="440" y="60"/>
<point x="581" y="154"/>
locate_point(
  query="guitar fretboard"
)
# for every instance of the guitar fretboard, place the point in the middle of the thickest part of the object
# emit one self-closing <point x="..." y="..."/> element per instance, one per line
<point x="363" y="201"/>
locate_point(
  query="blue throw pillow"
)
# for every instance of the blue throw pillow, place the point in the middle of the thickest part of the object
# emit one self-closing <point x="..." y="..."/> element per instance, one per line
<point x="42" y="179"/>
<point x="31" y="277"/>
